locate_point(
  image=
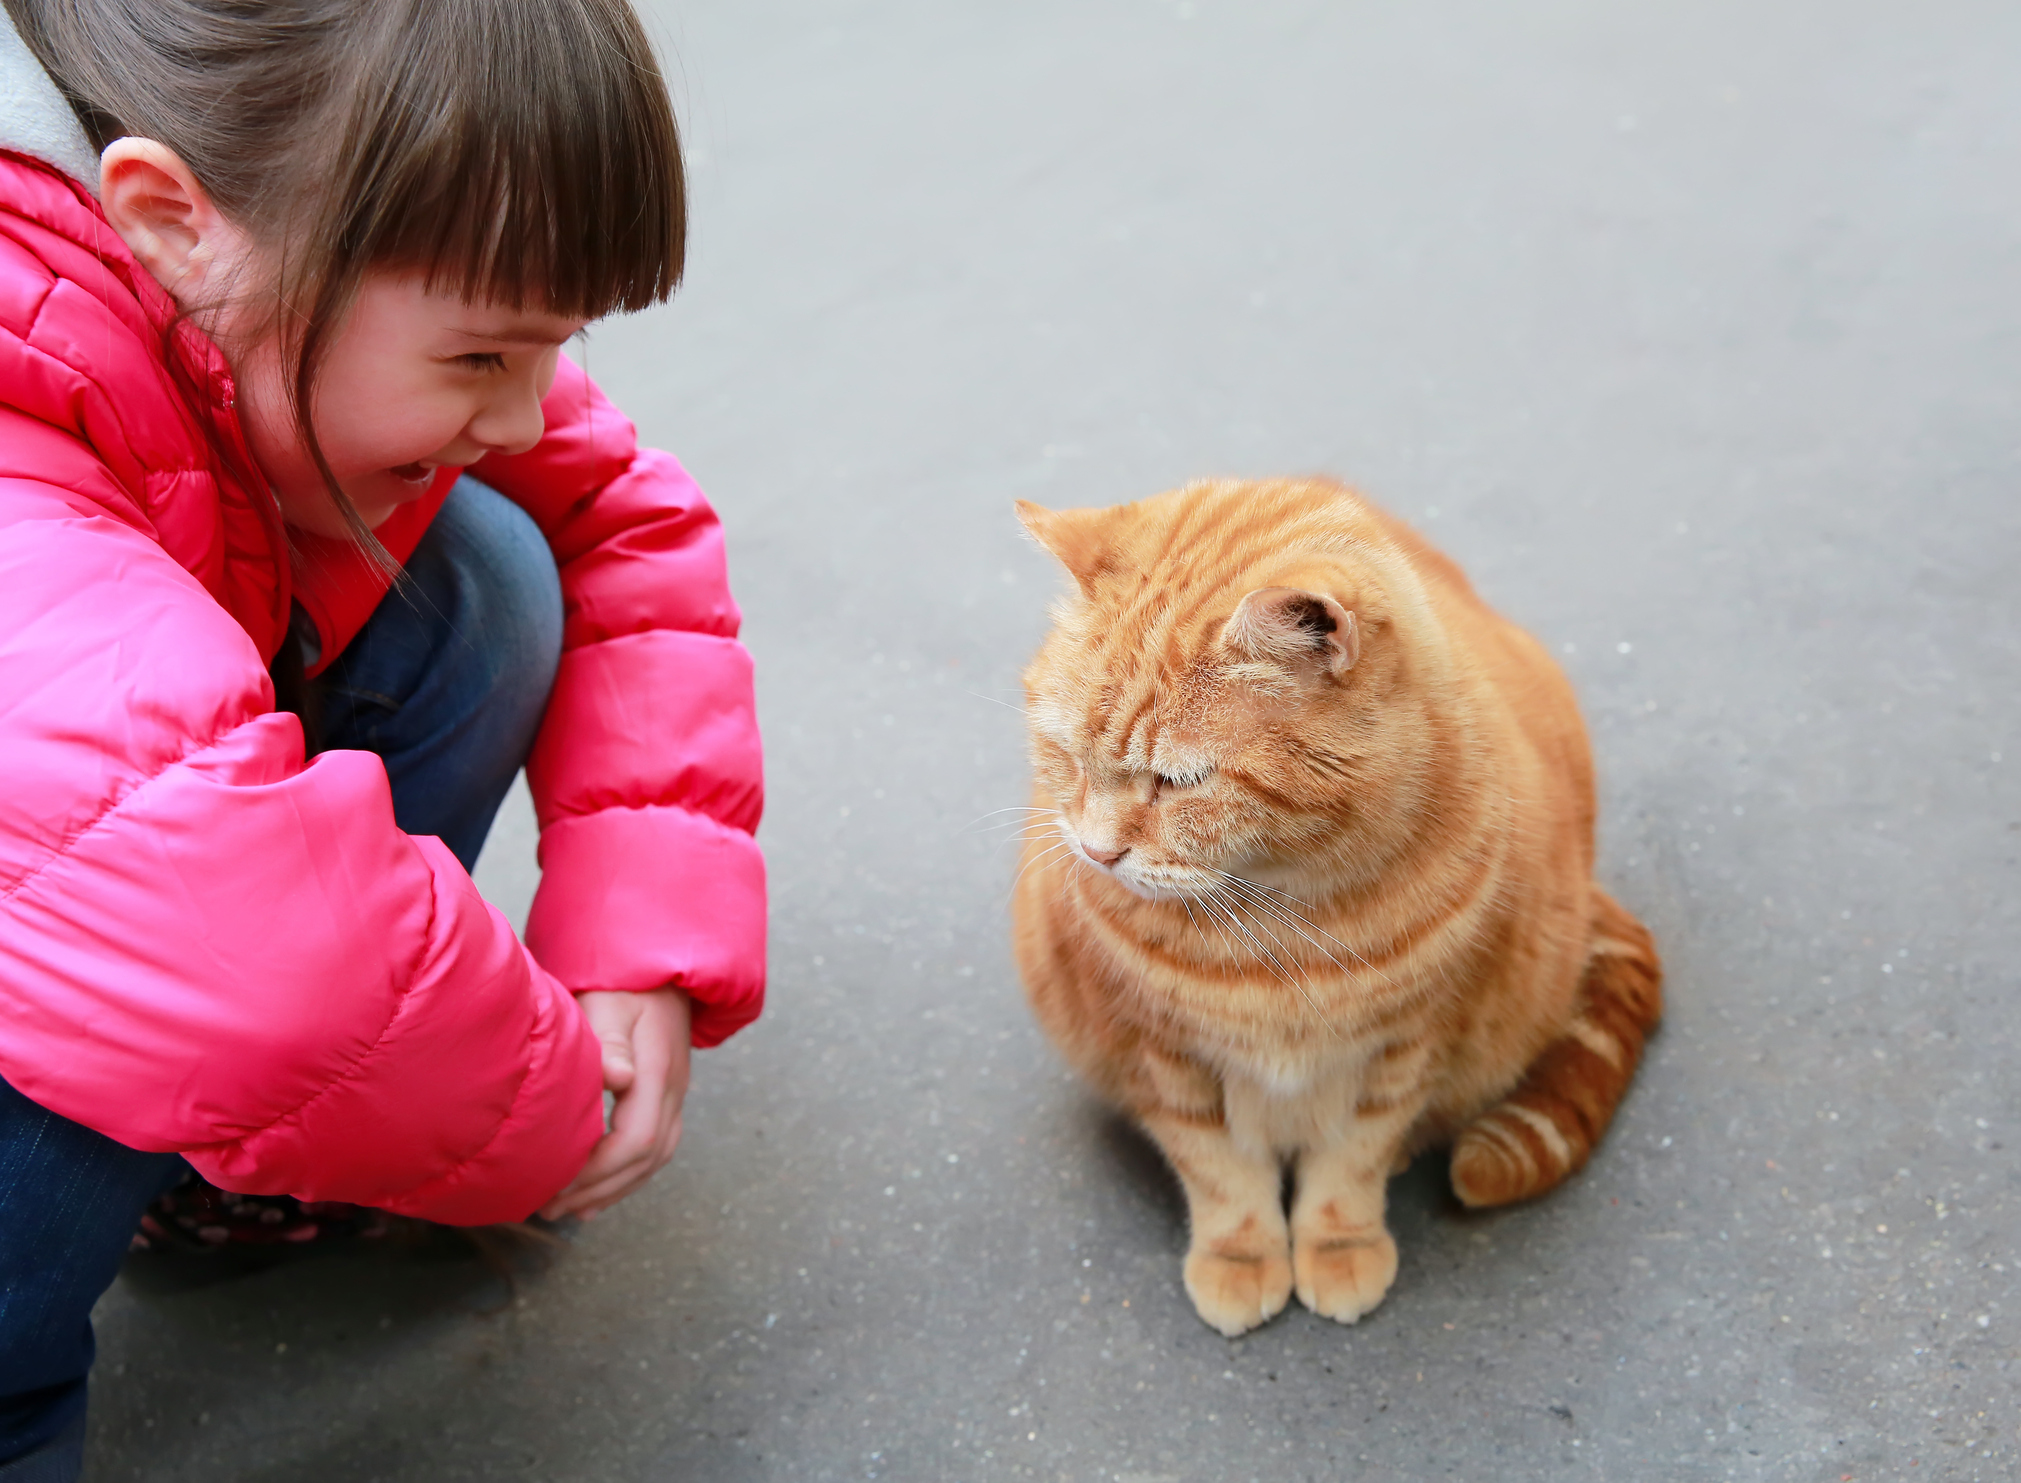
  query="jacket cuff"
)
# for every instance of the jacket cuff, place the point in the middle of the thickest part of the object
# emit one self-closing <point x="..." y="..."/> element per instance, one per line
<point x="641" y="898"/>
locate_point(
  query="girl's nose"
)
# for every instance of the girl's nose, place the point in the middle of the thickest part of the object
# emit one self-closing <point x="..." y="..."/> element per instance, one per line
<point x="511" y="424"/>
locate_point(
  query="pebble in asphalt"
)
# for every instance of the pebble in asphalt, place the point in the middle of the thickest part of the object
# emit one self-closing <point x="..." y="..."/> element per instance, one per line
<point x="1691" y="330"/>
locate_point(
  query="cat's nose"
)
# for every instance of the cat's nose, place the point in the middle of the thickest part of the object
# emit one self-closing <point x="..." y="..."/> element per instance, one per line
<point x="1104" y="857"/>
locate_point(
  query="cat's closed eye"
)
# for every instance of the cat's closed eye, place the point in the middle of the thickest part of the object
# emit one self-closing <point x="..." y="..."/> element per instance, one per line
<point x="1164" y="782"/>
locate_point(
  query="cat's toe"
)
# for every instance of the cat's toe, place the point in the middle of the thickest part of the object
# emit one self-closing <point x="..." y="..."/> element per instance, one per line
<point x="1235" y="1292"/>
<point x="1343" y="1277"/>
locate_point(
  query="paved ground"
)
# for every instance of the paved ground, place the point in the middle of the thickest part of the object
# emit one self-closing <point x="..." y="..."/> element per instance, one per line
<point x="1691" y="328"/>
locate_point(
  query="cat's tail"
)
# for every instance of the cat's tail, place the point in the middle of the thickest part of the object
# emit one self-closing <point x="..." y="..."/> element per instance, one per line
<point x="1545" y="1130"/>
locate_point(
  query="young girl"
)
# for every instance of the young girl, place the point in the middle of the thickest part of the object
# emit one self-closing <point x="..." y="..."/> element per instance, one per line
<point x="272" y="277"/>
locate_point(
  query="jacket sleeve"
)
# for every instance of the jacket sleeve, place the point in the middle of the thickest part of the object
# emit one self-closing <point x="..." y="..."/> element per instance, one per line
<point x="208" y="947"/>
<point x="647" y="774"/>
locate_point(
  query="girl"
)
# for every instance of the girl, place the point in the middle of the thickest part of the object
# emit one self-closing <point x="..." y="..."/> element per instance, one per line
<point x="273" y="275"/>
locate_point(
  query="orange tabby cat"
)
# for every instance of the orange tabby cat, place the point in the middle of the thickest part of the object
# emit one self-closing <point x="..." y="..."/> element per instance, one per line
<point x="1317" y="884"/>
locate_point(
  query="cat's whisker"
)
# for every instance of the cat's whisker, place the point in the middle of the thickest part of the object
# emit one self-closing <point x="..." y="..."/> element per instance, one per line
<point x="1266" y="889"/>
<point x="1236" y="949"/>
<point x="1042" y="857"/>
<point x="1021" y="876"/>
<point x="1305" y="977"/>
<point x="1024" y="817"/>
<point x="1365" y="965"/>
<point x="1277" y="914"/>
<point x="1219" y="930"/>
<point x="1296" y="982"/>
<point x="1034" y="828"/>
<point x="1278" y="944"/>
<point x="1068" y="880"/>
<point x="1021" y="808"/>
<point x="1247" y="942"/>
<point x="1297" y="906"/>
<point x="1278" y="902"/>
<point x="1055" y="848"/>
<point x="1298" y="923"/>
<point x="1281" y="900"/>
<point x="994" y="701"/>
<point x="1049" y="822"/>
<point x="1277" y="947"/>
<point x="1265" y="952"/>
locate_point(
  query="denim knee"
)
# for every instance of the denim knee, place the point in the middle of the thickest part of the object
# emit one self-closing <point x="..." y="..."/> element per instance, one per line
<point x="449" y="679"/>
<point x="61" y="1460"/>
<point x="506" y="603"/>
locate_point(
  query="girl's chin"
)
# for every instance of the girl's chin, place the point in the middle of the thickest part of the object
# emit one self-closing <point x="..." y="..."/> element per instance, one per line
<point x="391" y="490"/>
<point x="376" y="498"/>
<point x="376" y="514"/>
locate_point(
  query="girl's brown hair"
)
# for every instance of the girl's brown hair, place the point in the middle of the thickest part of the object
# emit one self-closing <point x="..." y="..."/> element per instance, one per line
<point x="516" y="150"/>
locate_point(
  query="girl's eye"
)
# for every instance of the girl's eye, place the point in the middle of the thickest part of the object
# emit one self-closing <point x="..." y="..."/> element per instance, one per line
<point x="483" y="360"/>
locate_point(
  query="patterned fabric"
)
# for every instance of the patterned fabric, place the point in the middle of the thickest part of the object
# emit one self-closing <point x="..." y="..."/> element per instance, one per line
<point x="198" y="1216"/>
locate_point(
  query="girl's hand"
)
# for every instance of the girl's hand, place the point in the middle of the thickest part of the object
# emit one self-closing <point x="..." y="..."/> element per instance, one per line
<point x="645" y="1062"/>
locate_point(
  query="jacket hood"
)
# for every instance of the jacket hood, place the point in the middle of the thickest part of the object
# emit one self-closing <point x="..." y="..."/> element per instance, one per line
<point x="34" y="118"/>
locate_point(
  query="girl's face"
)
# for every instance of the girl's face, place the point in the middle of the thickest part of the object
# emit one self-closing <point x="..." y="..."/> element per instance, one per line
<point x="413" y="382"/>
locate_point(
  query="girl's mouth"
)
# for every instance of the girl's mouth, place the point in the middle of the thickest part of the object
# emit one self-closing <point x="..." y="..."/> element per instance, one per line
<point x="419" y="474"/>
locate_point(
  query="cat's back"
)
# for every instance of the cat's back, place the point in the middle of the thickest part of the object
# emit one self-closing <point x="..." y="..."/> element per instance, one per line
<point x="1219" y="531"/>
<point x="1216" y="536"/>
<point x="1508" y="661"/>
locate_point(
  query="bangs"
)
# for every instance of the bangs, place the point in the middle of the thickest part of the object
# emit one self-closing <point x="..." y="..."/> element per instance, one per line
<point x="519" y="152"/>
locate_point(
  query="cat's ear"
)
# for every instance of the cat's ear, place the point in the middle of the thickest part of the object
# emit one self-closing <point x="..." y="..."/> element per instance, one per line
<point x="1079" y="538"/>
<point x="1286" y="625"/>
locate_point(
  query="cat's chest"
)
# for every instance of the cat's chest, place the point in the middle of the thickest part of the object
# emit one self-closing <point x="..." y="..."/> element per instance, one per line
<point x="1287" y="1103"/>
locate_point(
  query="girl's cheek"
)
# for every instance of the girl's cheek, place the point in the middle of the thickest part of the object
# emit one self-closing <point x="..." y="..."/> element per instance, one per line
<point x="382" y="429"/>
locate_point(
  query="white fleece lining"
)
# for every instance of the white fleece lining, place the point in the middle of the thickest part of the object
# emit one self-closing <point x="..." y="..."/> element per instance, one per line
<point x="34" y="119"/>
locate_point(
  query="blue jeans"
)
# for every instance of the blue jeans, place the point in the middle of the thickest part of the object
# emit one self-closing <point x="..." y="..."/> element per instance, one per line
<point x="447" y="682"/>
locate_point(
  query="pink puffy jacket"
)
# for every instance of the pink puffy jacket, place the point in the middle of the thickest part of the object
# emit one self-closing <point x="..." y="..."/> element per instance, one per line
<point x="207" y="946"/>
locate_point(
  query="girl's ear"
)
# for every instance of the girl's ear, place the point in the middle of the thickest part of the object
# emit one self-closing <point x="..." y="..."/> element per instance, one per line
<point x="167" y="219"/>
<point x="1081" y="539"/>
<point x="1287" y="626"/>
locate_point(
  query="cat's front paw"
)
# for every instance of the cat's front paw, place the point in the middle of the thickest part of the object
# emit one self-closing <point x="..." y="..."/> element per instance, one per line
<point x="1342" y="1276"/>
<point x="1235" y="1291"/>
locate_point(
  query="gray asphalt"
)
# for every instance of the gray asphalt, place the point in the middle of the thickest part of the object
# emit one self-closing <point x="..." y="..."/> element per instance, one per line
<point x="1691" y="328"/>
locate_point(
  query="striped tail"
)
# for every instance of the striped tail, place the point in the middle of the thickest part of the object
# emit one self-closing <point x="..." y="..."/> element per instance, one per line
<point x="1546" y="1129"/>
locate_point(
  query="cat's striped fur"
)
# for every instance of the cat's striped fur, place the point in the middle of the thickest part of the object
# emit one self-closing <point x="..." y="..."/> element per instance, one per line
<point x="1310" y="879"/>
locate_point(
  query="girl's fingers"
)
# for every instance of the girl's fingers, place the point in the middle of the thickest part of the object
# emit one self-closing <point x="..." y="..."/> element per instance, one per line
<point x="645" y="1063"/>
<point x="614" y="1158"/>
<point x="623" y="1150"/>
<point x="618" y="1167"/>
<point x="618" y="1072"/>
<point x="595" y="1199"/>
<point x="644" y="1131"/>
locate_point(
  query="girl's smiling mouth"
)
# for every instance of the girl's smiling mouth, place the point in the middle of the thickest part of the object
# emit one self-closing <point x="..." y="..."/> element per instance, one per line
<point x="417" y="473"/>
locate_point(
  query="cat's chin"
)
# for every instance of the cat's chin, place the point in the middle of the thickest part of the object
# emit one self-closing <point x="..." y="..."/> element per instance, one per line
<point x="1161" y="890"/>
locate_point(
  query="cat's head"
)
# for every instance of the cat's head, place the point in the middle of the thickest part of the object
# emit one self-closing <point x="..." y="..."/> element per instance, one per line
<point x="1232" y="693"/>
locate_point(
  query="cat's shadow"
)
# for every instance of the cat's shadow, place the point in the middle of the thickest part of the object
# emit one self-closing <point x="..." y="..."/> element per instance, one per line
<point x="1132" y="1163"/>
